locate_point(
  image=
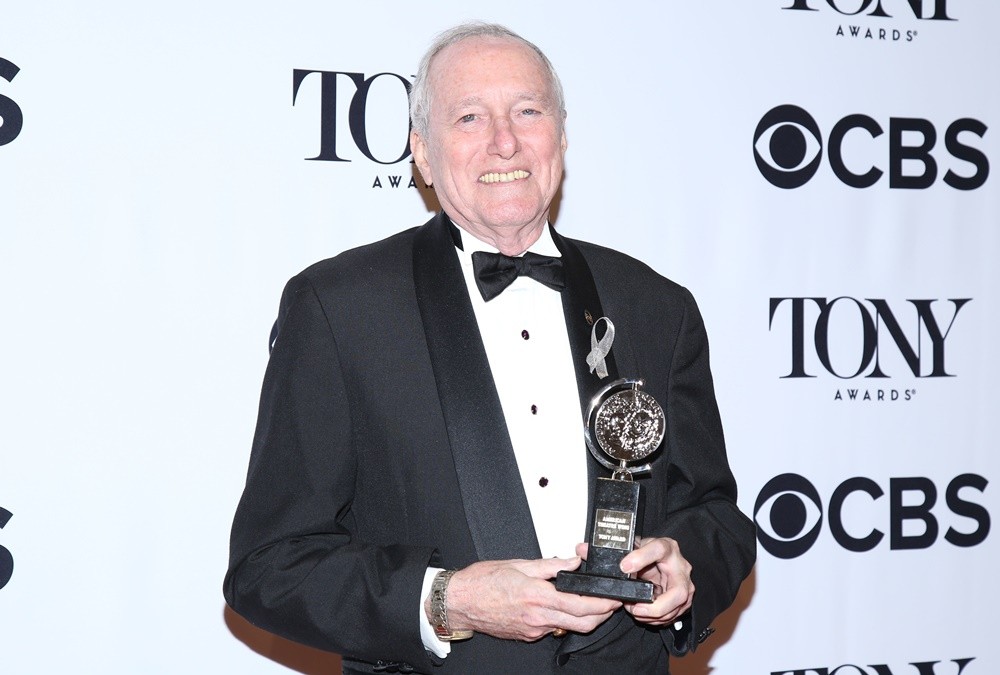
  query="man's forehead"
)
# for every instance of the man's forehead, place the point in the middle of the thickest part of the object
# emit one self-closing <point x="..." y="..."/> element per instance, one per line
<point x="475" y="84"/>
<point x="456" y="55"/>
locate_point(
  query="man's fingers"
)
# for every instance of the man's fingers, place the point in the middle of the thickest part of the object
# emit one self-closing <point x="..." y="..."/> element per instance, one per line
<point x="547" y="568"/>
<point x="649" y="552"/>
<point x="660" y="560"/>
<point x="515" y="599"/>
<point x="665" y="609"/>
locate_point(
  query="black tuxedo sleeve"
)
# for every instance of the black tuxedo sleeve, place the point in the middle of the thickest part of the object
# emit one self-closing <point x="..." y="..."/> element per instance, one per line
<point x="714" y="535"/>
<point x="299" y="566"/>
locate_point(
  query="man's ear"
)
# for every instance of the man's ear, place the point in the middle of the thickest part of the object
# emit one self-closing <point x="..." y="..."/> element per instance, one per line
<point x="419" y="149"/>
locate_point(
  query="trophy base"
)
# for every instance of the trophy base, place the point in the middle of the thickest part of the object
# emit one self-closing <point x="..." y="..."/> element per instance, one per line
<point x="626" y="590"/>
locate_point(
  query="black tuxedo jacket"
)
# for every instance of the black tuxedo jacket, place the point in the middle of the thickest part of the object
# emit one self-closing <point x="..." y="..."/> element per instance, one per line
<point x="381" y="449"/>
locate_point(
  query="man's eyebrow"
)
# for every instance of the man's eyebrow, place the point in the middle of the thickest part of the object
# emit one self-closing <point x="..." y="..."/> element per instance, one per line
<point x="540" y="97"/>
<point x="531" y="96"/>
<point x="466" y="102"/>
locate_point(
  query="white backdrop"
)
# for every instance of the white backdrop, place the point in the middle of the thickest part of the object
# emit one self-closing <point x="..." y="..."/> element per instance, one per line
<point x="158" y="194"/>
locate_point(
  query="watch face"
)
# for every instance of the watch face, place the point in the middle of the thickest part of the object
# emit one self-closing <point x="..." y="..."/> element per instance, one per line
<point x="629" y="425"/>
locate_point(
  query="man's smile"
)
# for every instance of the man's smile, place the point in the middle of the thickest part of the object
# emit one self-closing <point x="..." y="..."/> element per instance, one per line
<point x="508" y="177"/>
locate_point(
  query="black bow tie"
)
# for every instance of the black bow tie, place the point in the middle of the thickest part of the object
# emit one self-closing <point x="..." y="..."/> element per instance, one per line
<point x="496" y="271"/>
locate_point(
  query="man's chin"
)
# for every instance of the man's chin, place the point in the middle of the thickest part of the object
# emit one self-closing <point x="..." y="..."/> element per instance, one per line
<point x="508" y="226"/>
<point x="510" y="217"/>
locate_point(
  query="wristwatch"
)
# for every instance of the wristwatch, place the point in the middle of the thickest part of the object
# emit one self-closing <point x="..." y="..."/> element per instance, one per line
<point x="439" y="609"/>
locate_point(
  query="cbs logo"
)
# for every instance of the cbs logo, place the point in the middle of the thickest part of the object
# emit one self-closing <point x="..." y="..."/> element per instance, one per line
<point x="6" y="559"/>
<point x="789" y="514"/>
<point x="11" y="118"/>
<point x="788" y="150"/>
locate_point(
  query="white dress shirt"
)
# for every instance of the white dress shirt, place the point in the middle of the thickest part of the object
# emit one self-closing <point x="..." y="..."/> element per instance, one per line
<point x="524" y="333"/>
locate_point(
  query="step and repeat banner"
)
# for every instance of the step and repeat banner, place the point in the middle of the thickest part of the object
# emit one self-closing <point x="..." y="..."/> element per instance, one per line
<point x="820" y="173"/>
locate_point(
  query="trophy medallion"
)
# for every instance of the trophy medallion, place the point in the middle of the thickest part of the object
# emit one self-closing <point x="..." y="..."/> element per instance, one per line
<point x="625" y="425"/>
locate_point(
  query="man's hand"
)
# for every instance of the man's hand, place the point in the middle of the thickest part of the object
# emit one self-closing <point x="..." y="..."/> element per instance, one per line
<point x="658" y="560"/>
<point x="514" y="600"/>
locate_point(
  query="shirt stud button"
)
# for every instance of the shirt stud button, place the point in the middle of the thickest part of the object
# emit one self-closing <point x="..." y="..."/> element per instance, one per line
<point x="524" y="334"/>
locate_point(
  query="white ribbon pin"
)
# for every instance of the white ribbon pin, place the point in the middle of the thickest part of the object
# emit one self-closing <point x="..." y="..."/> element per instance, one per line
<point x="599" y="349"/>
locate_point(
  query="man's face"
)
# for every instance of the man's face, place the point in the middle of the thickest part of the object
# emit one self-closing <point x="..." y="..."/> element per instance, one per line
<point x="495" y="142"/>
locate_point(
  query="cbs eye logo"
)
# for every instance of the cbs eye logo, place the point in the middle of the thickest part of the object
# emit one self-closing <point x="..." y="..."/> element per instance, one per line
<point x="787" y="146"/>
<point x="788" y="149"/>
<point x="789" y="516"/>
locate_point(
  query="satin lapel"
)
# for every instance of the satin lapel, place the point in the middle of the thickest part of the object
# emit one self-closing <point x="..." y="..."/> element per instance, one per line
<point x="582" y="307"/>
<point x="580" y="301"/>
<point x="495" y="504"/>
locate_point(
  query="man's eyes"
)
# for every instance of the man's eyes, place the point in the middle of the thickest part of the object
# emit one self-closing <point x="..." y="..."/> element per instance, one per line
<point x="475" y="117"/>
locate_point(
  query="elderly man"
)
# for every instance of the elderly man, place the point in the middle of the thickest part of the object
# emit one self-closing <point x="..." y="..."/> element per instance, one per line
<point x="419" y="475"/>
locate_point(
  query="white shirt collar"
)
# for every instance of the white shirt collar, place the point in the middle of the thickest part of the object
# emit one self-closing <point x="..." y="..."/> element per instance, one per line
<point x="544" y="246"/>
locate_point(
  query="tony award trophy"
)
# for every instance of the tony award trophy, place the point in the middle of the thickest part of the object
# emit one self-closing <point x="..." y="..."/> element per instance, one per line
<point x="624" y="424"/>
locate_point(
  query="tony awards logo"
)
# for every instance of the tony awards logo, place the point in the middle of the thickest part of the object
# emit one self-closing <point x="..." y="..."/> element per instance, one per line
<point x="625" y="425"/>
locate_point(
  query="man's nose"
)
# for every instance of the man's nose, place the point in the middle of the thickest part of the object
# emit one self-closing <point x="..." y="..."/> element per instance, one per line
<point x="504" y="142"/>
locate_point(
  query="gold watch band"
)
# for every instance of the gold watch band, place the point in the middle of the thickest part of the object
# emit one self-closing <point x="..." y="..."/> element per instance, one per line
<point x="439" y="609"/>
